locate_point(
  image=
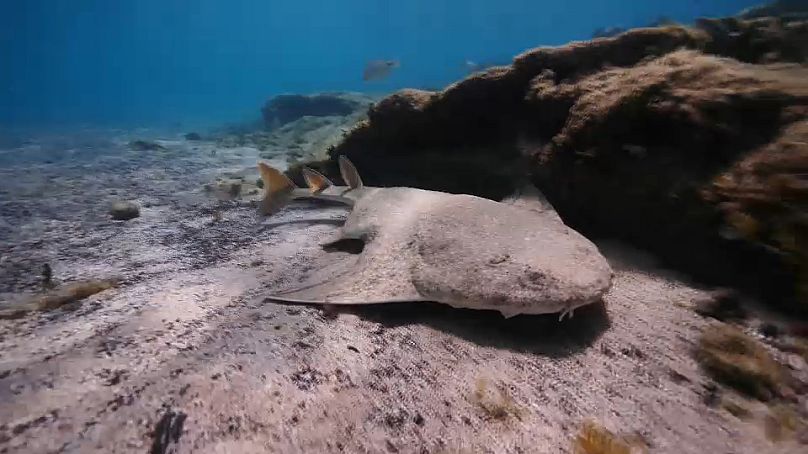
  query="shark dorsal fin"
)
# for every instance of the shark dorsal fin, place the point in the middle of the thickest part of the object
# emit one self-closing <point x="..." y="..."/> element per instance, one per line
<point x="349" y="173"/>
<point x="277" y="188"/>
<point x="317" y="182"/>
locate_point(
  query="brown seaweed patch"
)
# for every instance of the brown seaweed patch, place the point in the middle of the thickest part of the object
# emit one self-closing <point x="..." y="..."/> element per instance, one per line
<point x="596" y="439"/>
<point x="783" y="423"/>
<point x="495" y="401"/>
<point x="70" y="294"/>
<point x="733" y="358"/>
<point x="66" y="297"/>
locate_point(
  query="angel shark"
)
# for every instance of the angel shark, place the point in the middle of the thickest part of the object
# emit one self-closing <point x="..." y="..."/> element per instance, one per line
<point x="460" y="250"/>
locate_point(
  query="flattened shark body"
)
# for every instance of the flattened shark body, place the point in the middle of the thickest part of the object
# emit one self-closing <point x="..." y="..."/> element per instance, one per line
<point x="460" y="250"/>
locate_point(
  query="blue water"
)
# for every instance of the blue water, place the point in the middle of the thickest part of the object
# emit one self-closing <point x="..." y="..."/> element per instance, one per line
<point x="123" y="63"/>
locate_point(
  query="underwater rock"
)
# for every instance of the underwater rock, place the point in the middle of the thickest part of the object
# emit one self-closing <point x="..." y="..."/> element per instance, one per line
<point x="609" y="32"/>
<point x="787" y="9"/>
<point x="283" y="109"/>
<point x="124" y="211"/>
<point x="305" y="137"/>
<point x="464" y="139"/>
<point x="627" y="137"/>
<point x="193" y="136"/>
<point x="762" y="196"/>
<point x="695" y="117"/>
<point x="763" y="40"/>
<point x="143" y="145"/>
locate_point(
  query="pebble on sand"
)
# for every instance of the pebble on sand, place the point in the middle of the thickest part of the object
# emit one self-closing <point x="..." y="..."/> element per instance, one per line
<point x="124" y="211"/>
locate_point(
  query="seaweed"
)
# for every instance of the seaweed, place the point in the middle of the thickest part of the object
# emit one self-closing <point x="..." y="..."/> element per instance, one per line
<point x="67" y="297"/>
<point x="734" y="359"/>
<point x="496" y="404"/>
<point x="596" y="439"/>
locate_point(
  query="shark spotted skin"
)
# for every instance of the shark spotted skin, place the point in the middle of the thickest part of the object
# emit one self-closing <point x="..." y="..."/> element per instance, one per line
<point x="460" y="250"/>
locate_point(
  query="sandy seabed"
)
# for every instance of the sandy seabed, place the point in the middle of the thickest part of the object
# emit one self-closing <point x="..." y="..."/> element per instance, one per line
<point x="185" y="355"/>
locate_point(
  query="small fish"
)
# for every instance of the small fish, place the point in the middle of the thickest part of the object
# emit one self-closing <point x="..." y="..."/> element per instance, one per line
<point x="474" y="67"/>
<point x="379" y="69"/>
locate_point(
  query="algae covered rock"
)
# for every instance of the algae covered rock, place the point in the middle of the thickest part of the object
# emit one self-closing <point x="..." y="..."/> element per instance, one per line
<point x="789" y="9"/>
<point x="305" y="137"/>
<point x="641" y="151"/>
<point x="283" y="109"/>
<point x="124" y="210"/>
<point x="686" y="141"/>
<point x="763" y="40"/>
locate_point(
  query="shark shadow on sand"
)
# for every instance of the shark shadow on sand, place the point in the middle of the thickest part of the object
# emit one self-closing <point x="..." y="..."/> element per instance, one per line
<point x="540" y="335"/>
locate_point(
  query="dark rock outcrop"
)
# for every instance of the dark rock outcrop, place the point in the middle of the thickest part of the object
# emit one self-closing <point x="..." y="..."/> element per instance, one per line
<point x="642" y="148"/>
<point x="787" y="9"/>
<point x="466" y="138"/>
<point x="283" y="109"/>
<point x="690" y="142"/>
<point x="763" y="40"/>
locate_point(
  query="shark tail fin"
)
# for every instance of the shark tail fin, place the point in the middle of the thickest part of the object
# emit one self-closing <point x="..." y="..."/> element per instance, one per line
<point x="278" y="189"/>
<point x="349" y="173"/>
<point x="317" y="182"/>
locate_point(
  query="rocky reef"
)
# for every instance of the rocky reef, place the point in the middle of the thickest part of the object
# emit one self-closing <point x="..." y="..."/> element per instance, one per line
<point x="608" y="32"/>
<point x="691" y="142"/>
<point x="284" y="109"/>
<point x="299" y="127"/>
<point x="788" y="9"/>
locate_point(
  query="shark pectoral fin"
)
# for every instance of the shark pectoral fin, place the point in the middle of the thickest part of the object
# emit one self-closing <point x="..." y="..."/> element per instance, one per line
<point x="278" y="189"/>
<point x="323" y="294"/>
<point x="317" y="182"/>
<point x="344" y="301"/>
<point x="509" y="313"/>
<point x="350" y="287"/>
<point x="349" y="173"/>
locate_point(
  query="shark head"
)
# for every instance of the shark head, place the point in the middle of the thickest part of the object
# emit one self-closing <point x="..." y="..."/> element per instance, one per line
<point x="481" y="254"/>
